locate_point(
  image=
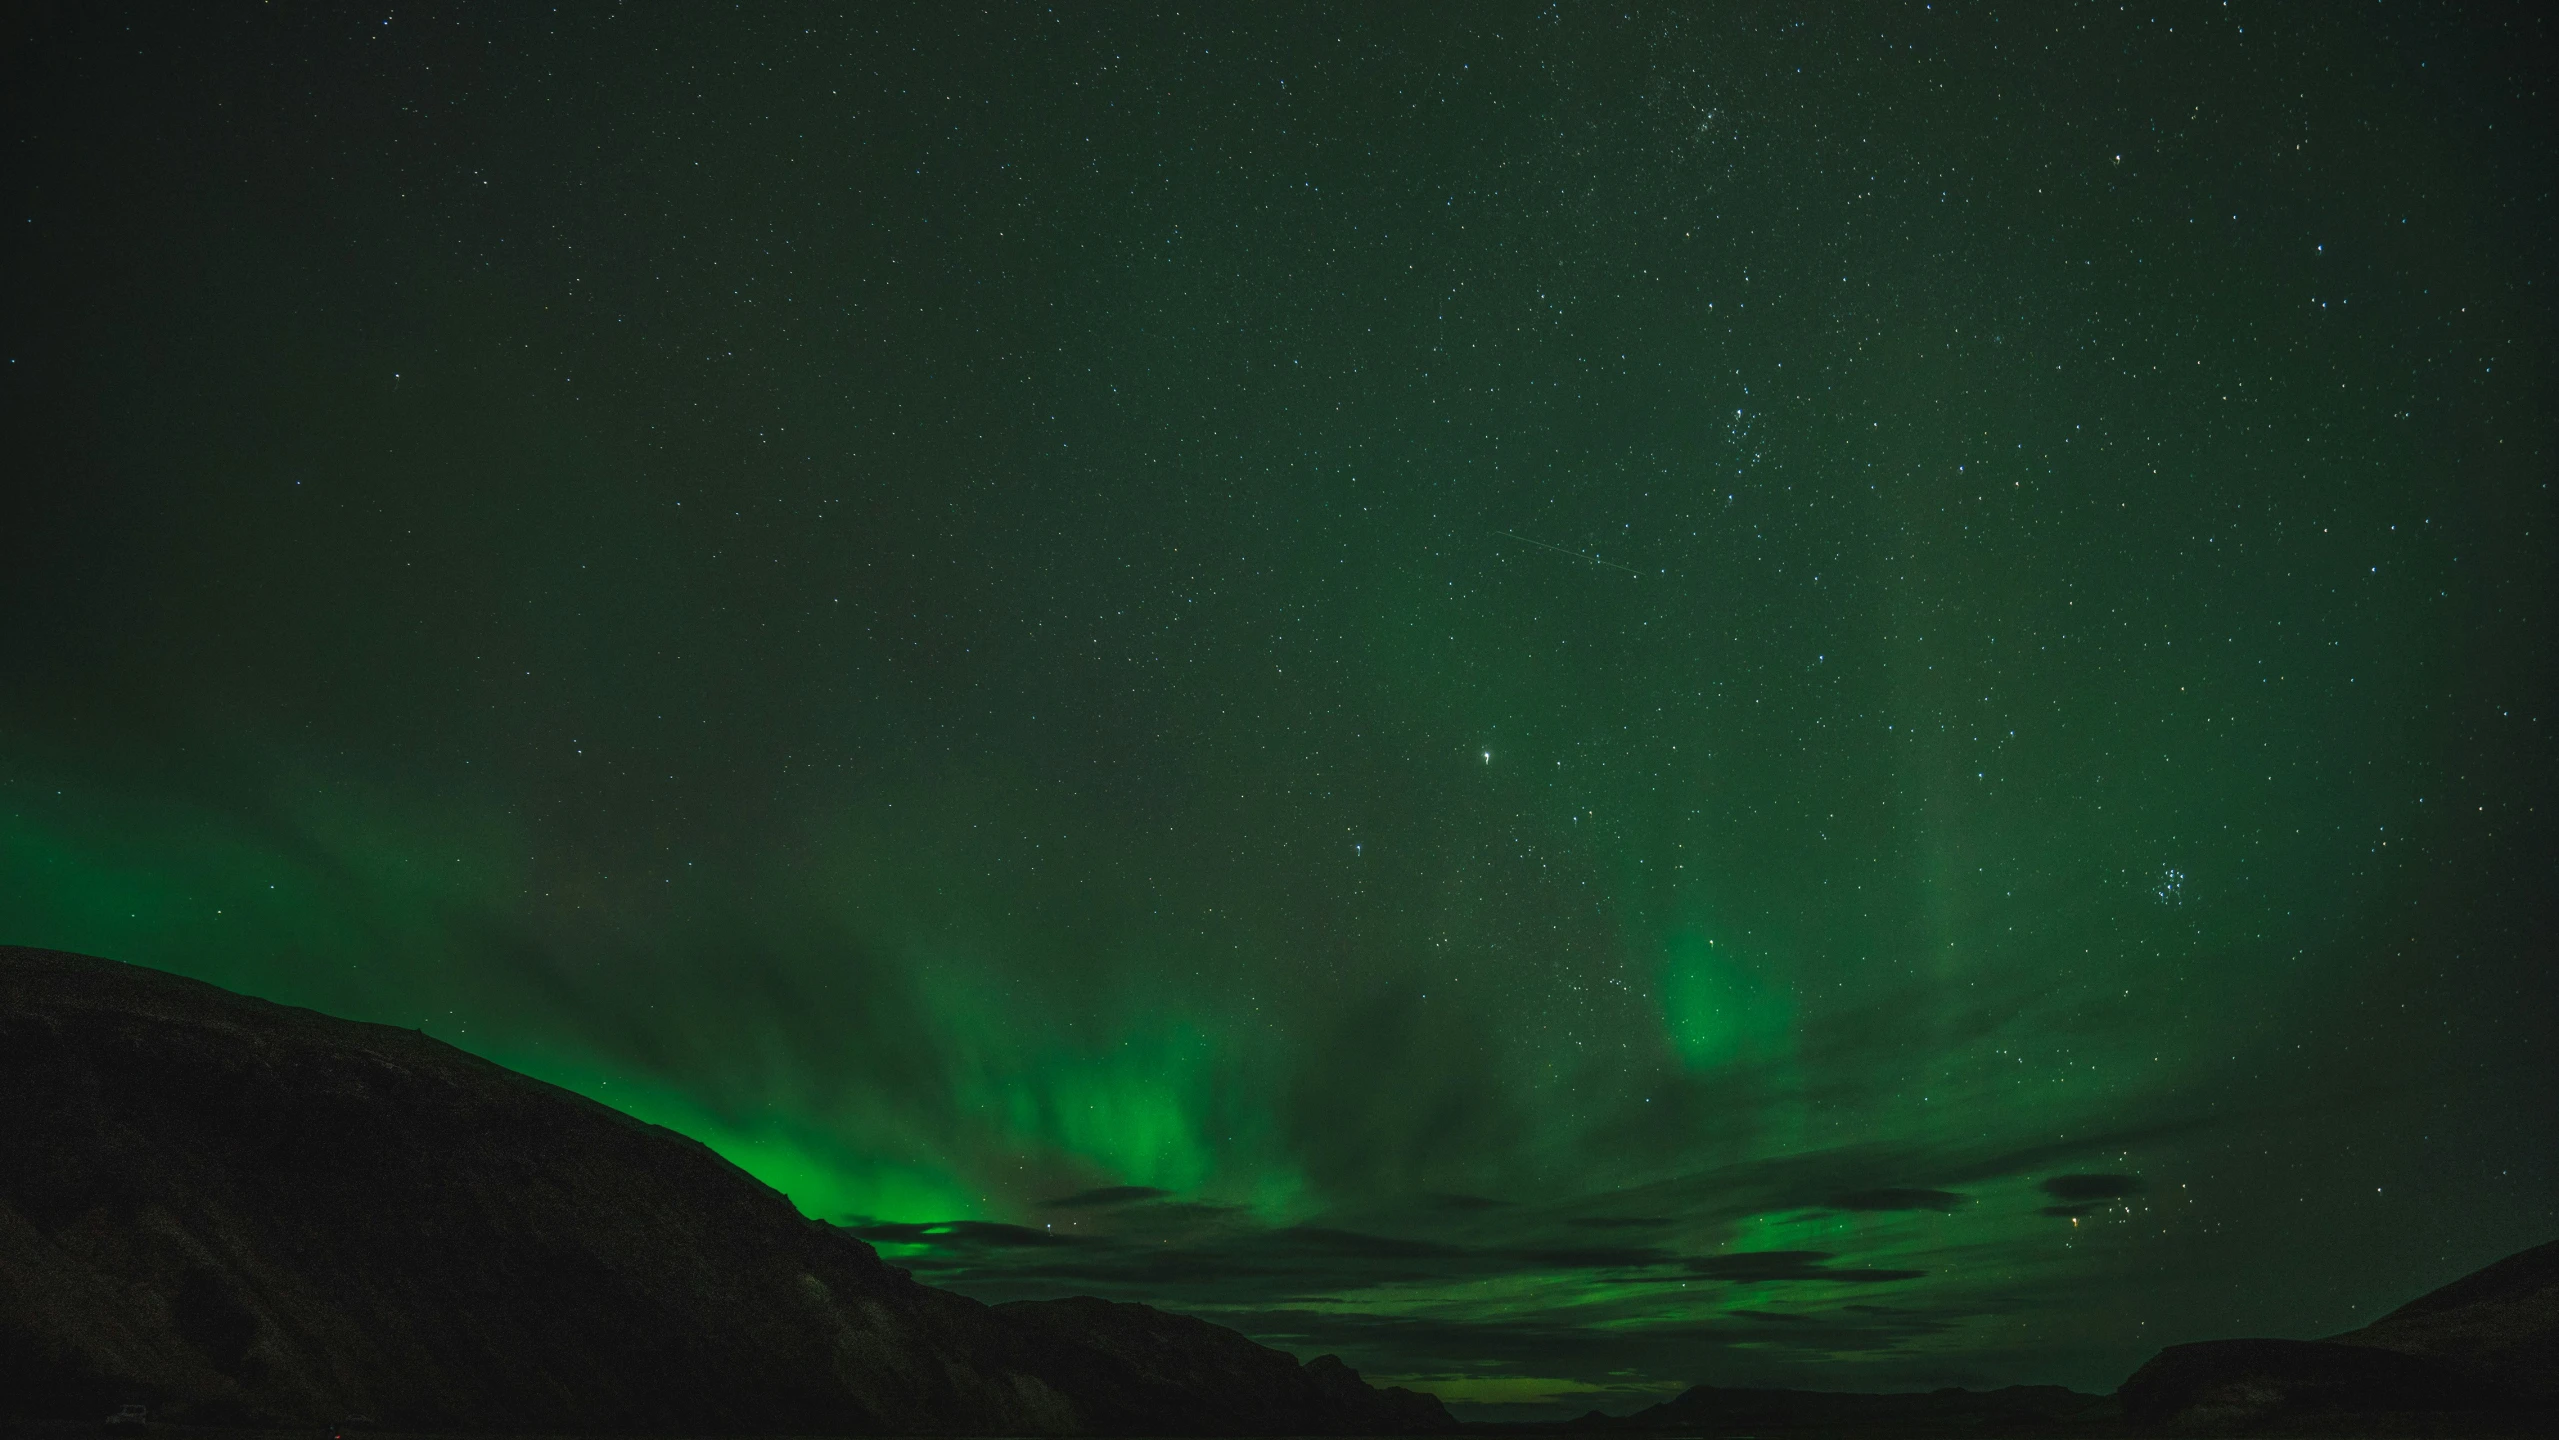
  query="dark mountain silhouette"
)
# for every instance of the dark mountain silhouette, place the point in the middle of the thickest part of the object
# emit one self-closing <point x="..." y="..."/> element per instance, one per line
<point x="1184" y="1368"/>
<point x="2485" y="1346"/>
<point x="243" y="1212"/>
<point x="2478" y="1357"/>
<point x="1713" y="1410"/>
<point x="2498" y="1326"/>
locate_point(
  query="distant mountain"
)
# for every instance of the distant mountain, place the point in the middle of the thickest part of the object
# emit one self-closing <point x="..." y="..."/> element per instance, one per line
<point x="242" y="1212"/>
<point x="1159" y="1374"/>
<point x="2485" y="1346"/>
<point x="1711" y="1410"/>
<point x="2478" y="1357"/>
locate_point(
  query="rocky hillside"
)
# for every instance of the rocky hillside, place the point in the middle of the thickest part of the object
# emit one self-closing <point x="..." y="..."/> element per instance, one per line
<point x="2485" y="1346"/>
<point x="2499" y="1326"/>
<point x="243" y="1212"/>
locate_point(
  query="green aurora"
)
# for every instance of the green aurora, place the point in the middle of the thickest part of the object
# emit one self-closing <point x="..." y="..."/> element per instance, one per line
<point x="1572" y="700"/>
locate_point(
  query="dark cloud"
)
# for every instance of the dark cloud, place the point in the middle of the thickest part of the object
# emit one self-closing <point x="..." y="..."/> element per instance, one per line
<point x="1622" y="1222"/>
<point x="2078" y="1195"/>
<point x="1107" y="1195"/>
<point x="1823" y="1179"/>
<point x="1351" y="1244"/>
<point x="1192" y="1210"/>
<point x="2092" y="1187"/>
<point x="1468" y="1202"/>
<point x="1899" y="1199"/>
<point x="1224" y="1264"/>
<point x="1596" y="1257"/>
<point x="1788" y="1265"/>
<point x="2140" y="1133"/>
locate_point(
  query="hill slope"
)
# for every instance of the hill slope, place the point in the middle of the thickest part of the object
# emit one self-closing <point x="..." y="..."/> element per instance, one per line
<point x="2486" y="1344"/>
<point x="2500" y="1324"/>
<point x="248" y="1212"/>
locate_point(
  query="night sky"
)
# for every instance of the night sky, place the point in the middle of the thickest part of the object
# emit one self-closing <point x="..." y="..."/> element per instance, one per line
<point x="1570" y="699"/>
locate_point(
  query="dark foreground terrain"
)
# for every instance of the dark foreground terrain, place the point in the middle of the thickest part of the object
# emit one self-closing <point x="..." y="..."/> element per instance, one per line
<point x="2479" y="1357"/>
<point x="247" y="1214"/>
<point x="2017" y="1410"/>
<point x="2482" y="1354"/>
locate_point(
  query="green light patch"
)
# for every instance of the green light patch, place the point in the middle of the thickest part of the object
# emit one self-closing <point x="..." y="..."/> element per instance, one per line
<point x="1719" y="1006"/>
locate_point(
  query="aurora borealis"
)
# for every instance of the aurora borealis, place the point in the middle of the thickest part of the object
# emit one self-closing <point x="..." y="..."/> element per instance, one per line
<point x="1571" y="699"/>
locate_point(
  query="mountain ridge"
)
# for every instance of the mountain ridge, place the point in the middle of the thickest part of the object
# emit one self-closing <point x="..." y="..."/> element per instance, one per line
<point x="250" y="1213"/>
<point x="2486" y="1344"/>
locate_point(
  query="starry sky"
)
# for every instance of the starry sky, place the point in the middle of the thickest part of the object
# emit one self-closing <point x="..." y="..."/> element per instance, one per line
<point x="1573" y="699"/>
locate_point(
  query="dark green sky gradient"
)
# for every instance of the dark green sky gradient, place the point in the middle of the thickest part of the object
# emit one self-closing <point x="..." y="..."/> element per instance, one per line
<point x="973" y="611"/>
